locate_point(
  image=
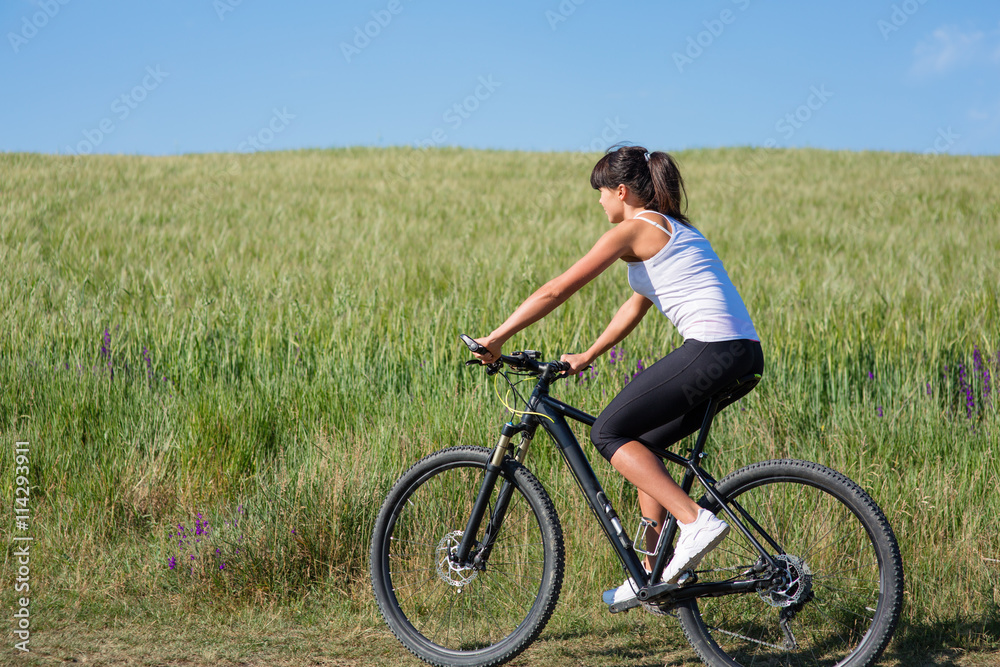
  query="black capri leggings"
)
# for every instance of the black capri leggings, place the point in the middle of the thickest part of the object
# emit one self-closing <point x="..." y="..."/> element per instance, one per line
<point x="667" y="401"/>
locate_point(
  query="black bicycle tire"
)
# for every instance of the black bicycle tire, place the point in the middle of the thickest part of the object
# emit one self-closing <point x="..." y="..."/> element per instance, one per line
<point x="879" y="533"/>
<point x="532" y="491"/>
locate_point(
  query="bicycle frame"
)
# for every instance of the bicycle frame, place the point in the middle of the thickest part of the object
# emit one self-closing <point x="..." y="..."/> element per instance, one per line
<point x="552" y="413"/>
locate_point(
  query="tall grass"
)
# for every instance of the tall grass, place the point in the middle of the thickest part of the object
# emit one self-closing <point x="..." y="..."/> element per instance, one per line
<point x="270" y="339"/>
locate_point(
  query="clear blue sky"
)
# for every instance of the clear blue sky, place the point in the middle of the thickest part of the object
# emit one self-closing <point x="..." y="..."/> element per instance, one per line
<point x="158" y="77"/>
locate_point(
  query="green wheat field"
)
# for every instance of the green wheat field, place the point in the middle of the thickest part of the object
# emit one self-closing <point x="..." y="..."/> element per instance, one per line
<point x="222" y="362"/>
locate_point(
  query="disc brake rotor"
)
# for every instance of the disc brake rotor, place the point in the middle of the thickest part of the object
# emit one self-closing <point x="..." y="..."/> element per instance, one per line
<point x="451" y="572"/>
<point x="795" y="588"/>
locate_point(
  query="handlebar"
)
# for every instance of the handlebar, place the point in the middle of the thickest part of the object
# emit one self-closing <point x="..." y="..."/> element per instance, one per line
<point x="527" y="360"/>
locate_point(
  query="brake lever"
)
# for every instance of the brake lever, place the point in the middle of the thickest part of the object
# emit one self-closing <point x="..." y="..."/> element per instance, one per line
<point x="491" y="369"/>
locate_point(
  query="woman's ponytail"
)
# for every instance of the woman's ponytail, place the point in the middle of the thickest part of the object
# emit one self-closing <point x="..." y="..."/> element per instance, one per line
<point x="669" y="194"/>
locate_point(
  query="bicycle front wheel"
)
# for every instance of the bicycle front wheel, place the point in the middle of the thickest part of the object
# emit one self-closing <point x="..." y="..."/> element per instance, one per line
<point x="842" y="592"/>
<point x="451" y="615"/>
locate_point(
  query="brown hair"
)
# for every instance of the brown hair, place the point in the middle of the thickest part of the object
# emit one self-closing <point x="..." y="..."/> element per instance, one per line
<point x="653" y="177"/>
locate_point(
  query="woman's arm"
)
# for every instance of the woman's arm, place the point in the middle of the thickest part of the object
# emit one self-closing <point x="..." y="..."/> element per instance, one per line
<point x="621" y="325"/>
<point x="612" y="245"/>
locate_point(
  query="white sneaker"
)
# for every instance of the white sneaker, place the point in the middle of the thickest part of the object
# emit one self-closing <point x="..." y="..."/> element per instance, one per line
<point x="626" y="591"/>
<point x="696" y="539"/>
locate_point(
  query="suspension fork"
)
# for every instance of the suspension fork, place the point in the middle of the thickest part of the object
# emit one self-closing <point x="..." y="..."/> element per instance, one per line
<point x="493" y="469"/>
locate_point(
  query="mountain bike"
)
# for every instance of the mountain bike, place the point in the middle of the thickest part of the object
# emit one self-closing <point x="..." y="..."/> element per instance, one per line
<point x="467" y="554"/>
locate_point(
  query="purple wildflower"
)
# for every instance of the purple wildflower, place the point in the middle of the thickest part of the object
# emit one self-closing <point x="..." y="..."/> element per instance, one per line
<point x="970" y="402"/>
<point x="878" y="410"/>
<point x="106" y="344"/>
<point x="172" y="562"/>
<point x="928" y="388"/>
<point x="981" y="369"/>
<point x="616" y="355"/>
<point x="871" y="375"/>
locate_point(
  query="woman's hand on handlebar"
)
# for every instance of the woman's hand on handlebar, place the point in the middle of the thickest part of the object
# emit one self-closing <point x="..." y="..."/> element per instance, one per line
<point x="577" y="362"/>
<point x="492" y="350"/>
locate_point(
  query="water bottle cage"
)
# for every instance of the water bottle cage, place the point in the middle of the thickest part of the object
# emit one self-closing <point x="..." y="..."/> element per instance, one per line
<point x="639" y="544"/>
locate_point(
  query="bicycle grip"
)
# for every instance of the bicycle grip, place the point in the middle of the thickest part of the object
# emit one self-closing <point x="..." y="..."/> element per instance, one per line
<point x="563" y="366"/>
<point x="472" y="344"/>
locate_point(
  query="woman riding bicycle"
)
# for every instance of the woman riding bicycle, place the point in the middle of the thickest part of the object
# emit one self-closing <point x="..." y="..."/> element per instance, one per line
<point x="670" y="265"/>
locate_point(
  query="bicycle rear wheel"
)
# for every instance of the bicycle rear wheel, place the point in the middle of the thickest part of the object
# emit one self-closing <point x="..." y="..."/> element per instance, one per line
<point x="843" y="592"/>
<point x="451" y="615"/>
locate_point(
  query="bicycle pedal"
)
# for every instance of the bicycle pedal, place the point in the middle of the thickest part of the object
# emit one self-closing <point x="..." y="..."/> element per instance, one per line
<point x="623" y="606"/>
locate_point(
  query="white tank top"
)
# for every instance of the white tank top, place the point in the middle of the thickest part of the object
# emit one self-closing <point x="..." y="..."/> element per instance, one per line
<point x="687" y="282"/>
